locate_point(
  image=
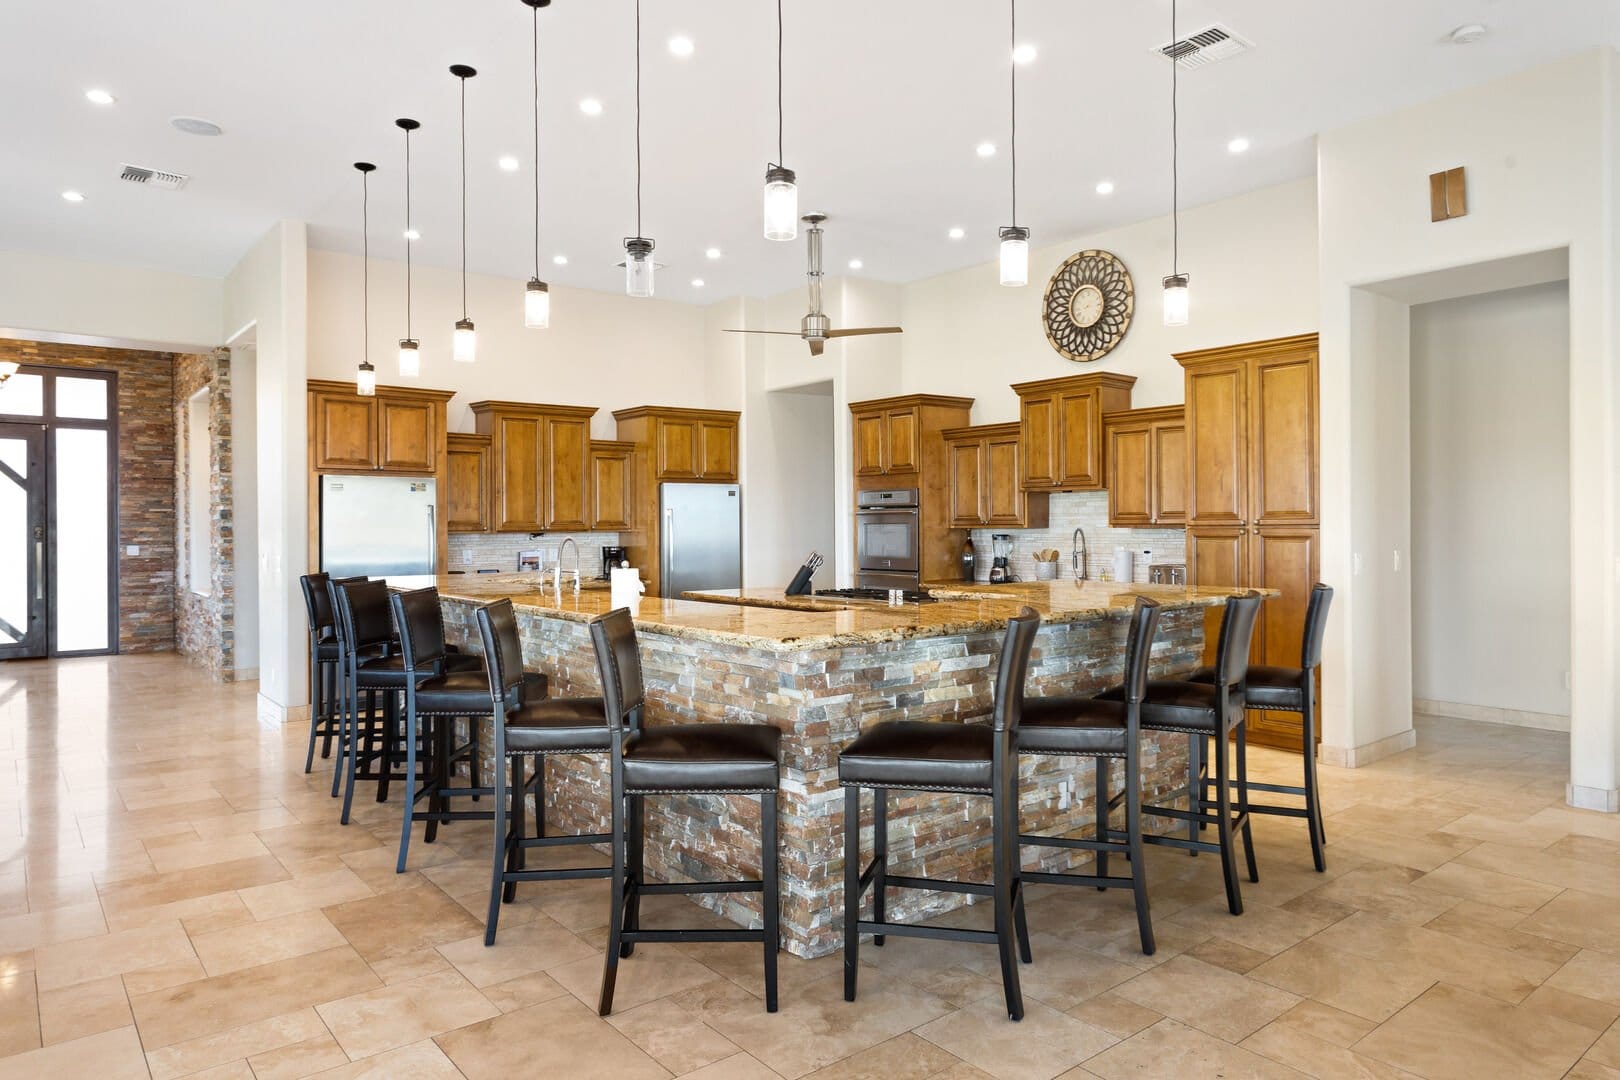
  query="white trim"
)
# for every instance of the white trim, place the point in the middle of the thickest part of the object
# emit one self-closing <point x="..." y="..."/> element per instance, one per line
<point x="1487" y="714"/>
<point x="1606" y="800"/>
<point x="274" y="712"/>
<point x="1354" y="757"/>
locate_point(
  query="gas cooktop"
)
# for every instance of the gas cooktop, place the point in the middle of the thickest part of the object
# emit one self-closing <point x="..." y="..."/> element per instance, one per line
<point x="910" y="596"/>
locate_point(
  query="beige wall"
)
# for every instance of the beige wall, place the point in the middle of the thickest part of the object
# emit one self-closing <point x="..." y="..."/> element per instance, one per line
<point x="102" y="304"/>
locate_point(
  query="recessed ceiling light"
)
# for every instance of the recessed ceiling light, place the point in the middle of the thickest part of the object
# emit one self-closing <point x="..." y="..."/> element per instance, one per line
<point x="985" y="149"/>
<point x="590" y="107"/>
<point x="73" y="196"/>
<point x="508" y="164"/>
<point x="681" y="45"/>
<point x="1105" y="187"/>
<point x="99" y="97"/>
<point x="1023" y="54"/>
<point x="697" y="283"/>
<point x="1238" y="145"/>
<point x="560" y="260"/>
<point x="1467" y="34"/>
<point x="855" y="264"/>
<point x="413" y="234"/>
<point x="957" y="233"/>
<point x="195" y="125"/>
<point x="712" y="253"/>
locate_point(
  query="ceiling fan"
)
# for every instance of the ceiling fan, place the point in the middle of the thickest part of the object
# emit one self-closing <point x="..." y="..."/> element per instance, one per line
<point x="815" y="327"/>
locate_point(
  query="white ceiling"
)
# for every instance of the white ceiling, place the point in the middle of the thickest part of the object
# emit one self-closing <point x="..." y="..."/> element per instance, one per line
<point x="886" y="102"/>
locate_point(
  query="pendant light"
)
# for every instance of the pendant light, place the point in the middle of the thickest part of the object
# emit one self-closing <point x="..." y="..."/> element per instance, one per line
<point x="410" y="356"/>
<point x="365" y="381"/>
<point x="1014" y="237"/>
<point x="537" y="296"/>
<point x="638" y="249"/>
<point x="1176" y="299"/>
<point x="464" y="346"/>
<point x="781" y="191"/>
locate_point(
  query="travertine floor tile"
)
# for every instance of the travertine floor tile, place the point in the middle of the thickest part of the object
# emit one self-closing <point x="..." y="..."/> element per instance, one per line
<point x="1486" y="1038"/>
<point x="672" y="1037"/>
<point x="85" y="1008"/>
<point x="1373" y="989"/>
<point x="1209" y="998"/>
<point x="252" y="944"/>
<point x="62" y="965"/>
<point x="654" y="971"/>
<point x="389" y="1017"/>
<point x="1045" y="1043"/>
<point x="1171" y="1049"/>
<point x="904" y="1057"/>
<point x="570" y="1038"/>
<point x="419" y="1061"/>
<point x="195" y="1055"/>
<point x="111" y="1055"/>
<point x="396" y="923"/>
<point x="304" y="893"/>
<point x="539" y="945"/>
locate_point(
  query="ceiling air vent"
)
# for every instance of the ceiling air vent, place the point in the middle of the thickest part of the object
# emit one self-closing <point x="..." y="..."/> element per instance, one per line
<point x="1211" y="44"/>
<point x="157" y="178"/>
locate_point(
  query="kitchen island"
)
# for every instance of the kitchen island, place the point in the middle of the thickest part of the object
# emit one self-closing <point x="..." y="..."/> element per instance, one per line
<point x="820" y="670"/>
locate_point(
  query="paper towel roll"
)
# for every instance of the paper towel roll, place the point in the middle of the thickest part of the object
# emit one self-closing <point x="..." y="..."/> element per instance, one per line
<point x="626" y="587"/>
<point x="1122" y="565"/>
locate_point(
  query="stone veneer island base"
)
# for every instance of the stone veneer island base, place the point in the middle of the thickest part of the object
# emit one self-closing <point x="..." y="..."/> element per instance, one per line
<point x="821" y="676"/>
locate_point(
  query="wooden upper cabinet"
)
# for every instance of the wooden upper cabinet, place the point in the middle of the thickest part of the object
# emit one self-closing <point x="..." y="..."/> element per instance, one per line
<point x="900" y="440"/>
<point x="1062" y="430"/>
<point x="966" y="457"/>
<point x="567" y="469"/>
<point x="685" y="444"/>
<point x="407" y="435"/>
<point x="520" y="493"/>
<point x="869" y="439"/>
<point x="1217" y="444"/>
<point x="399" y="429"/>
<point x="612" y="486"/>
<point x="1130" y="475"/>
<point x="1170" y="473"/>
<point x="467" y="482"/>
<point x="717" y="440"/>
<point x="985" y="474"/>
<point x="342" y="430"/>
<point x="539" y="459"/>
<point x="894" y="437"/>
<point x="1282" y="426"/>
<point x="677" y="449"/>
<point x="1146" y="451"/>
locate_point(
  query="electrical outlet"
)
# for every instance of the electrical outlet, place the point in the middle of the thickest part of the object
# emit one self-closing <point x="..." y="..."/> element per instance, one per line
<point x="466" y="557"/>
<point x="132" y="549"/>
<point x="1355" y="563"/>
<point x="1395" y="559"/>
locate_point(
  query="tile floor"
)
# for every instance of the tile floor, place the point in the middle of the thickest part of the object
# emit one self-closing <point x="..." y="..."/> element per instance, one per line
<point x="176" y="899"/>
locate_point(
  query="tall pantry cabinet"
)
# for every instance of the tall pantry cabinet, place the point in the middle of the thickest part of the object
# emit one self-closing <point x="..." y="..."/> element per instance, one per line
<point x="1252" y="507"/>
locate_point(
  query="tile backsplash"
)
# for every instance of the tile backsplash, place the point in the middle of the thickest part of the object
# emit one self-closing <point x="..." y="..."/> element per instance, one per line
<point x="1087" y="510"/>
<point x="499" y="551"/>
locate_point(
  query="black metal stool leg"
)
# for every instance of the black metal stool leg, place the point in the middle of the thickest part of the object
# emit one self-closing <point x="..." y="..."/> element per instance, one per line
<point x="1243" y="798"/>
<point x="852" y="888"/>
<point x="880" y="858"/>
<point x="1004" y="869"/>
<point x="1101" y="767"/>
<point x="329" y="682"/>
<point x="1223" y="826"/>
<point x="498" y="848"/>
<point x="1195" y="787"/>
<point x="635" y="868"/>
<point x="769" y="876"/>
<point x="514" y="836"/>
<point x="610" y="959"/>
<point x="1015" y="856"/>
<point x="1133" y="838"/>
<point x="411" y="789"/>
<point x="317" y="683"/>
<point x="436" y="746"/>
<point x="1313" y="802"/>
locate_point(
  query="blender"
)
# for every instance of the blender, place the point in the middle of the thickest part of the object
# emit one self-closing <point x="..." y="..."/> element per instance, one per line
<point x="1001" y="545"/>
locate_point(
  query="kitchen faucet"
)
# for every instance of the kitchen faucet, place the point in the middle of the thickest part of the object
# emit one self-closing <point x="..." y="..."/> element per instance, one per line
<point x="1078" y="557"/>
<point x="557" y="571"/>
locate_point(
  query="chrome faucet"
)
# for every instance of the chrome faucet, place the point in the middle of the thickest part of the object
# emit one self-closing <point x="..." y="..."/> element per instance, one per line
<point x="566" y="541"/>
<point x="1078" y="558"/>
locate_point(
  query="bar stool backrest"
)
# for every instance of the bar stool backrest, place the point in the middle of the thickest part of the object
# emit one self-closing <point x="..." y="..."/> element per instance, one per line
<point x="1014" y="668"/>
<point x="1316" y="613"/>
<point x="421" y="629"/>
<point x="317" y="602"/>
<point x="619" y="663"/>
<point x="1237" y="631"/>
<point x="362" y="615"/>
<point x="1139" y="648"/>
<point x="503" y="653"/>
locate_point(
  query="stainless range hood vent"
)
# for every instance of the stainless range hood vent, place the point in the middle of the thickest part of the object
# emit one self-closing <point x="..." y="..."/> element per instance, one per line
<point x="1210" y="45"/>
<point x="169" y="181"/>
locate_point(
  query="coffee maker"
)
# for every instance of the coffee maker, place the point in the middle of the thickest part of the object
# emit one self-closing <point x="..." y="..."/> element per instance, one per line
<point x="611" y="557"/>
<point x="1001" y="545"/>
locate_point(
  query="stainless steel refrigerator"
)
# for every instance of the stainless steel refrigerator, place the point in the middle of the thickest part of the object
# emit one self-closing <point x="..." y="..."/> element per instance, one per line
<point x="379" y="526"/>
<point x="700" y="541"/>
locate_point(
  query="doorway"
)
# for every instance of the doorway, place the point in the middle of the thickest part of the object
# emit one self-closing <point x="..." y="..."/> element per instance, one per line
<point x="58" y="513"/>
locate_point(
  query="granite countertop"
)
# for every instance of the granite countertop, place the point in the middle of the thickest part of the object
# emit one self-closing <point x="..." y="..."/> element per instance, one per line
<point x="764" y="618"/>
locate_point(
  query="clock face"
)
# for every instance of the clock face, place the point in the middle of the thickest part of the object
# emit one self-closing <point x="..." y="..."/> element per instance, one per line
<point x="1088" y="305"/>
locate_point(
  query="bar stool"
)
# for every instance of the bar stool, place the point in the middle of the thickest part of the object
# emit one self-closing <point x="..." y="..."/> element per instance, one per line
<point x="1103" y="731"/>
<point x="439" y="697"/>
<point x="1214" y="711"/>
<point x="528" y="725"/>
<point x="324" y="722"/>
<point x="1286" y="689"/>
<point x="677" y="759"/>
<point x="961" y="758"/>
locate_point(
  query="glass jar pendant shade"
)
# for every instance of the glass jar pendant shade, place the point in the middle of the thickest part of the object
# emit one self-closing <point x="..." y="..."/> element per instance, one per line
<point x="537" y="305"/>
<point x="781" y="204"/>
<point x="410" y="358"/>
<point x="1014" y="255"/>
<point x="464" y="346"/>
<point x="638" y="266"/>
<point x="365" y="383"/>
<point x="1176" y="300"/>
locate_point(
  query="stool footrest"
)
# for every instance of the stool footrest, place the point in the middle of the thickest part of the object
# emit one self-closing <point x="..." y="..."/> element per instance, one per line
<point x="630" y="937"/>
<point x="896" y="881"/>
<point x="563" y="841"/>
<point x="571" y="873"/>
<point x="452" y="815"/>
<point x="1042" y="877"/>
<point x="1110" y="847"/>
<point x="923" y="930"/>
<point x="686" y="888"/>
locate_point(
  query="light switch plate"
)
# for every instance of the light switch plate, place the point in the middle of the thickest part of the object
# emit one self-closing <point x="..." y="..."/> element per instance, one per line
<point x="132" y="549"/>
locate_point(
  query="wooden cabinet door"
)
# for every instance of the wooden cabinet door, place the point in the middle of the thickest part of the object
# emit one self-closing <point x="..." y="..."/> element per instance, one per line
<point x="1217" y="465"/>
<point x="1169" y="482"/>
<point x="1080" y="427"/>
<point x="678" y="450"/>
<point x="567" y="473"/>
<point x="869" y="439"/>
<point x="1281" y="558"/>
<point x="408" y="435"/>
<point x="519" y="447"/>
<point x="1038" y="419"/>
<point x="1218" y="557"/>
<point x="1282" y="439"/>
<point x="1130" y="475"/>
<point x="344" y="432"/>
<point x="467" y="488"/>
<point x="967" y="474"/>
<point x="1004" y="502"/>
<point x="719" y="449"/>
<point x="901" y="452"/>
<point x="611" y="491"/>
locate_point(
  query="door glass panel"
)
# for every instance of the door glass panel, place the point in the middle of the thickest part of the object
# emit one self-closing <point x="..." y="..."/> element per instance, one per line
<point x="81" y="399"/>
<point x="15" y="556"/>
<point x="23" y="395"/>
<point x="81" y="610"/>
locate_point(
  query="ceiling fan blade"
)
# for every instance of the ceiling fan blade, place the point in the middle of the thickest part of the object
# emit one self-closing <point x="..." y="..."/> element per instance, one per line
<point x="816" y="346"/>
<point x="785" y="333"/>
<point x="856" y="331"/>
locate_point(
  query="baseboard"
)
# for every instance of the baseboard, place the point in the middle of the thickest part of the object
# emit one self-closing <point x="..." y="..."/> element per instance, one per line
<point x="1487" y="714"/>
<point x="1592" y="798"/>
<point x="244" y="674"/>
<point x="1354" y="757"/>
<point x="274" y="712"/>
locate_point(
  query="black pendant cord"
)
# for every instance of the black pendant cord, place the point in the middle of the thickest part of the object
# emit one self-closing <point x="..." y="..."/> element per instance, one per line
<point x="463" y="199"/>
<point x="1012" y="6"/>
<point x="408" y="241"/>
<point x="781" y="158"/>
<point x="365" y="266"/>
<point x="1175" y="151"/>
<point x="638" y="118"/>
<point x="536" y="13"/>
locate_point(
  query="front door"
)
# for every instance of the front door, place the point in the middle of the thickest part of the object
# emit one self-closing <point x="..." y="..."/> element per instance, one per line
<point x="22" y="541"/>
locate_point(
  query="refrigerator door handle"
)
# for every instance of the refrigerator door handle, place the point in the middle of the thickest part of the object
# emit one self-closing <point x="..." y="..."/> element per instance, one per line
<point x="669" y="533"/>
<point x="433" y="541"/>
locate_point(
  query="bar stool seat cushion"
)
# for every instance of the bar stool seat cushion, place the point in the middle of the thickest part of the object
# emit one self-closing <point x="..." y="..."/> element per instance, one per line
<point x="557" y="725"/>
<point x="466" y="693"/>
<point x="703" y="757"/>
<point x="1268" y="687"/>
<point x="1072" y="725"/>
<point x="921" y="754"/>
<point x="1174" y="705"/>
<point x="388" y="672"/>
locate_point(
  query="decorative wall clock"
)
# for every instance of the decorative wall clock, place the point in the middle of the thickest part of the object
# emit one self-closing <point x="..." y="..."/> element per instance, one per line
<point x="1088" y="305"/>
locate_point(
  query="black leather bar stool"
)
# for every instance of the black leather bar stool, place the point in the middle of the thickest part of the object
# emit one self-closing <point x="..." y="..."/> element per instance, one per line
<point x="434" y="699"/>
<point x="678" y="759"/>
<point x="1213" y="711"/>
<point x="324" y="720"/>
<point x="528" y="725"/>
<point x="1286" y="689"/>
<point x="962" y="758"/>
<point x="1104" y="731"/>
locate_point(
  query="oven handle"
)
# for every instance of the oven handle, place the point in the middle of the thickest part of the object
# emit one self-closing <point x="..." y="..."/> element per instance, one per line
<point x="869" y="511"/>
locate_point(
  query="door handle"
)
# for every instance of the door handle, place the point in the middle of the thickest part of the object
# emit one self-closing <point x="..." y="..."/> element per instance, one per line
<point x="39" y="570"/>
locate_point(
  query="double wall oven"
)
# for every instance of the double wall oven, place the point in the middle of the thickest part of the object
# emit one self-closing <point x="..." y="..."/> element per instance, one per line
<point x="887" y="544"/>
